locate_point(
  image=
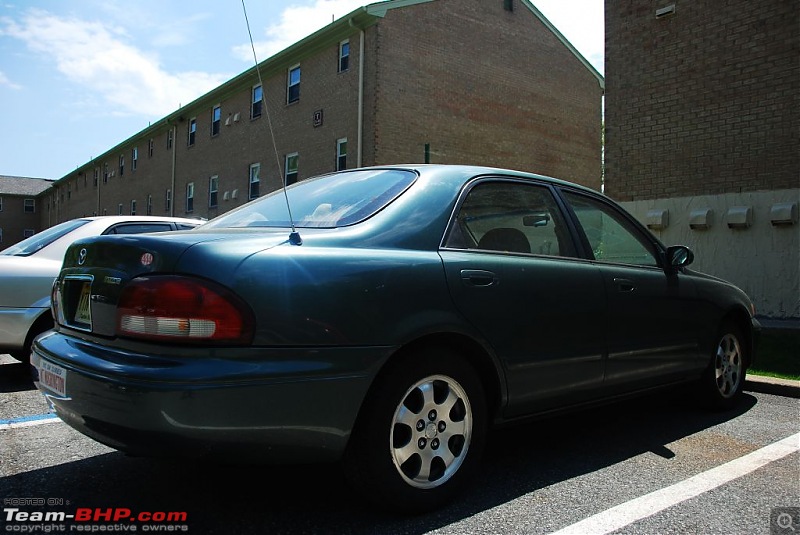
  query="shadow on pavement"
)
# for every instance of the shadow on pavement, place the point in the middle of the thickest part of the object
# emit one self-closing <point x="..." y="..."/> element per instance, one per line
<point x="224" y="499"/>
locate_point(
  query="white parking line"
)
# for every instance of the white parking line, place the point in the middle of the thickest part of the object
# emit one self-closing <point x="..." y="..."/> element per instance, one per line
<point x="30" y="421"/>
<point x="629" y="512"/>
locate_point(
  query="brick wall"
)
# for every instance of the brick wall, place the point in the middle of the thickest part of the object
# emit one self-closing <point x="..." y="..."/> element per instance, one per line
<point x="480" y="84"/>
<point x="14" y="220"/>
<point x="485" y="86"/>
<point x="703" y="101"/>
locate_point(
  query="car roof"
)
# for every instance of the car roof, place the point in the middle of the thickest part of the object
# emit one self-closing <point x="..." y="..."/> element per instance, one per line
<point x="478" y="170"/>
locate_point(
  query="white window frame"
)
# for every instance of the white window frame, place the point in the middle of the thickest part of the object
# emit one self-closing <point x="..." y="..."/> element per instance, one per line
<point x="256" y="104"/>
<point x="213" y="191"/>
<point x="134" y="158"/>
<point x="149" y="208"/>
<point x="191" y="134"/>
<point x="344" y="57"/>
<point x="28" y="232"/>
<point x="290" y="85"/>
<point x="216" y="120"/>
<point x="254" y="178"/>
<point x="133" y="206"/>
<point x="31" y="203"/>
<point x="190" y="197"/>
<point x="291" y="156"/>
<point x="339" y="155"/>
<point x="119" y="209"/>
<point x="168" y="200"/>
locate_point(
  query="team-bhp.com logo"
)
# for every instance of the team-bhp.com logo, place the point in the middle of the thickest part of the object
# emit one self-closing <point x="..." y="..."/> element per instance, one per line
<point x="117" y="519"/>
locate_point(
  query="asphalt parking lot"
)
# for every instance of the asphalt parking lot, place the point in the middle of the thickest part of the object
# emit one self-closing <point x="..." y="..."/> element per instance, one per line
<point x="655" y="465"/>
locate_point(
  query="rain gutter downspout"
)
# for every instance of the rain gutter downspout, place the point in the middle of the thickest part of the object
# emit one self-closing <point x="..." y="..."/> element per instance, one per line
<point x="360" y="94"/>
<point x="174" y="156"/>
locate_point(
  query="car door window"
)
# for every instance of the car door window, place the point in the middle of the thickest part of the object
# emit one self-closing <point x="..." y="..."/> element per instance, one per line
<point x="139" y="228"/>
<point x="511" y="217"/>
<point x="611" y="237"/>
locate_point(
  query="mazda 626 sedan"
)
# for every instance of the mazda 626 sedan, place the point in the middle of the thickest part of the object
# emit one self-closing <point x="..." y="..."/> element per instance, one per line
<point x="383" y="317"/>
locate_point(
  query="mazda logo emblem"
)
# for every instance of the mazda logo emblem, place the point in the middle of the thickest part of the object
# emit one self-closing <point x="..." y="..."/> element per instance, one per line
<point x="81" y="257"/>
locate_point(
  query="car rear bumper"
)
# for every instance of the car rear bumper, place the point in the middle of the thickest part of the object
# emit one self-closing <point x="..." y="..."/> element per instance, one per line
<point x="264" y="405"/>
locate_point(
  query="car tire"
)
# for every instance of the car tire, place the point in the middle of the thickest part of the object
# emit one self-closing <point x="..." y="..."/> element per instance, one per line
<point x="723" y="380"/>
<point x="421" y="433"/>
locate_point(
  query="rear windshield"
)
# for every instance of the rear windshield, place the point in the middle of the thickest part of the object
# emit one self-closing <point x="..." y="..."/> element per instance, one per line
<point x="39" y="241"/>
<point x="334" y="200"/>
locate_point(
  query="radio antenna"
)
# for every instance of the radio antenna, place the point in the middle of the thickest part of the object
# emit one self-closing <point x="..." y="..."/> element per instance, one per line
<point x="294" y="236"/>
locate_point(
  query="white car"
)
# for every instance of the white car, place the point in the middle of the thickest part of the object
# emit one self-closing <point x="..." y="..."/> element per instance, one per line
<point x="28" y="268"/>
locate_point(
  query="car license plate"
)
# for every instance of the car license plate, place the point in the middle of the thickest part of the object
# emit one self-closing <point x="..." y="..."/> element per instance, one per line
<point x="83" y="313"/>
<point x="53" y="377"/>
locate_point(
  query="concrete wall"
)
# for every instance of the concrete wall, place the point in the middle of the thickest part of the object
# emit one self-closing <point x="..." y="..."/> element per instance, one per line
<point x="762" y="259"/>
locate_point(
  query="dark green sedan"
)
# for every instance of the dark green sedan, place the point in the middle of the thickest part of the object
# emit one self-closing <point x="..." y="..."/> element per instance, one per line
<point x="386" y="318"/>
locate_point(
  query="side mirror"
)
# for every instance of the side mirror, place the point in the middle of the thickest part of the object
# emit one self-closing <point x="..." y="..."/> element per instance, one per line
<point x="679" y="256"/>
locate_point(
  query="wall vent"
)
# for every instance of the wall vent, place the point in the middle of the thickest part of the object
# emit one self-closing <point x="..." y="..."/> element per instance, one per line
<point x="665" y="11"/>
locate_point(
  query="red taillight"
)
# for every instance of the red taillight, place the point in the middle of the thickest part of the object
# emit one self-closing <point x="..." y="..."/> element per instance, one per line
<point x="181" y="309"/>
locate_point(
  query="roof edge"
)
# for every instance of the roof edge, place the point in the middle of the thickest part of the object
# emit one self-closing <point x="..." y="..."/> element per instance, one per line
<point x="379" y="9"/>
<point x="600" y="78"/>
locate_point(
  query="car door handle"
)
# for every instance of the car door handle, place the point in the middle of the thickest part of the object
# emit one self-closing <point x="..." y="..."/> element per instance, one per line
<point x="624" y="285"/>
<point x="478" y="277"/>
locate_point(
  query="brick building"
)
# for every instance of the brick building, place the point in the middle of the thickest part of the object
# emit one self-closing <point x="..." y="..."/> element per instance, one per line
<point x="447" y="81"/>
<point x="702" y="114"/>
<point x="20" y="208"/>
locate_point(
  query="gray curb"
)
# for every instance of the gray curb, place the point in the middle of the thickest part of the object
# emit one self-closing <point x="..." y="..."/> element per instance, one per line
<point x="772" y="385"/>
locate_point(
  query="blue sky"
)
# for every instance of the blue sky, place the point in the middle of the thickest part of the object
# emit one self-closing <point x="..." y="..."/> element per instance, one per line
<point x="79" y="76"/>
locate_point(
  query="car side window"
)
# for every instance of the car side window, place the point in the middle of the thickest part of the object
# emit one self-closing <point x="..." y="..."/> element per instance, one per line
<point x="610" y="236"/>
<point x="511" y="217"/>
<point x="139" y="228"/>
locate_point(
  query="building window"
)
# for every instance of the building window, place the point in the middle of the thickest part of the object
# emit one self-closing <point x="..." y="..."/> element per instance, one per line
<point x="151" y="145"/>
<point x="256" y="102"/>
<point x="255" y="169"/>
<point x="134" y="158"/>
<point x="133" y="207"/>
<point x="341" y="154"/>
<point x="29" y="205"/>
<point x="216" y="120"/>
<point x="1" y="235"/>
<point x="290" y="173"/>
<point x="119" y="209"/>
<point x="168" y="200"/>
<point x="1" y="204"/>
<point x="293" y="85"/>
<point x="169" y="139"/>
<point x="96" y="175"/>
<point x="149" y="205"/>
<point x="121" y="164"/>
<point x="213" y="186"/>
<point x="105" y="173"/>
<point x="344" y="56"/>
<point x="69" y="191"/>
<point x="190" y="197"/>
<point x="28" y="232"/>
<point x="192" y="131"/>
